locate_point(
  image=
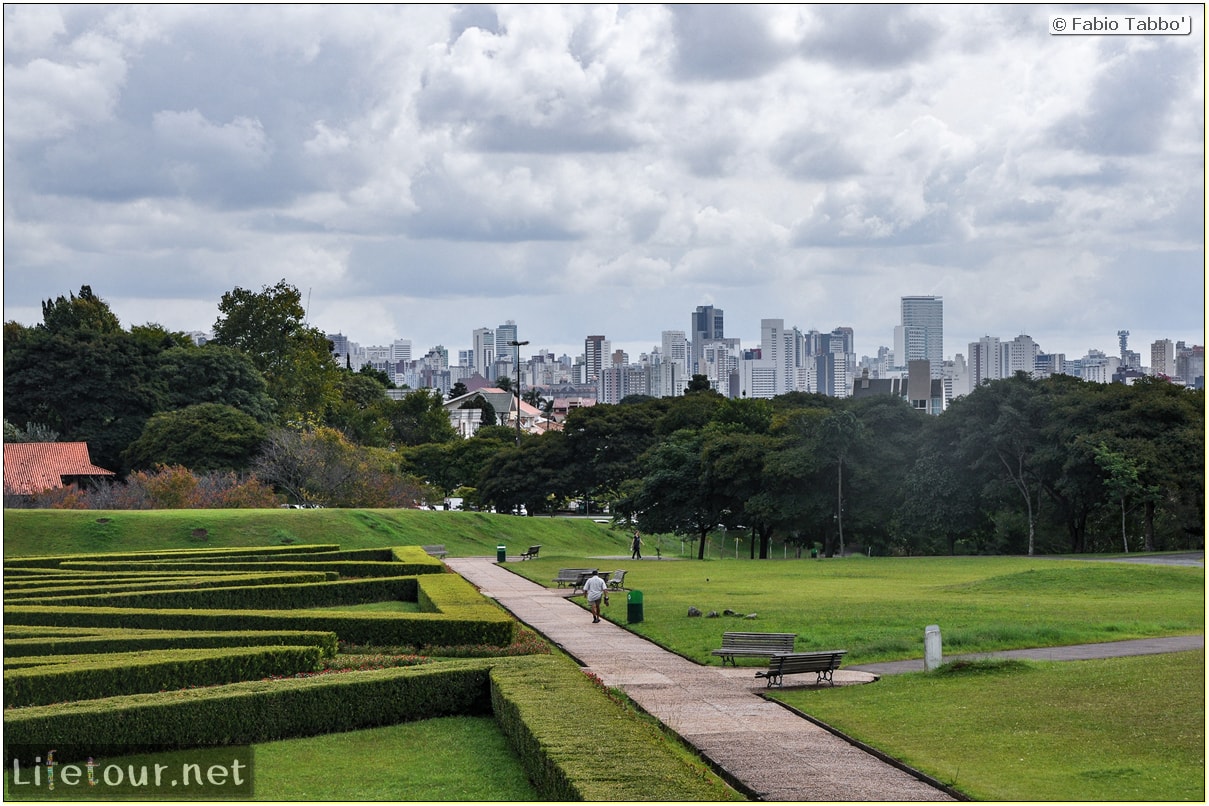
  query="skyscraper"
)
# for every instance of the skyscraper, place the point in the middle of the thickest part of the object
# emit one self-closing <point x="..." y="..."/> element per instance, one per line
<point x="505" y="334"/>
<point x="483" y="351"/>
<point x="594" y="352"/>
<point x="923" y="332"/>
<point x="707" y="326"/>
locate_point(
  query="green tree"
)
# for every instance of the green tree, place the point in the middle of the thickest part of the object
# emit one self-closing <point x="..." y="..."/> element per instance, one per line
<point x="202" y="438"/>
<point x="213" y="374"/>
<point x="419" y="417"/>
<point x="72" y="314"/>
<point x="296" y="360"/>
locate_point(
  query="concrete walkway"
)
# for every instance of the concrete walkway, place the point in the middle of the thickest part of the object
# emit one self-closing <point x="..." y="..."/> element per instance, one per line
<point x="769" y="750"/>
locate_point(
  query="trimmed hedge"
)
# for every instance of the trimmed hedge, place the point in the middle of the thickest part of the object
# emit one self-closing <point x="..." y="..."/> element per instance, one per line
<point x="245" y="713"/>
<point x="575" y="744"/>
<point x="97" y="586"/>
<point x="53" y="560"/>
<point x="136" y="640"/>
<point x="251" y="597"/>
<point x="464" y="617"/>
<point x="343" y="568"/>
<point x="87" y="677"/>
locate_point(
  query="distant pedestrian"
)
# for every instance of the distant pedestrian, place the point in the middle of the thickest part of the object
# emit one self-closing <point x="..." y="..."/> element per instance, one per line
<point x="636" y="547"/>
<point x="596" y="589"/>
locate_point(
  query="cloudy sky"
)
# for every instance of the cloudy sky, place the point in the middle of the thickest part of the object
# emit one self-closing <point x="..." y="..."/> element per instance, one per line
<point x="422" y="171"/>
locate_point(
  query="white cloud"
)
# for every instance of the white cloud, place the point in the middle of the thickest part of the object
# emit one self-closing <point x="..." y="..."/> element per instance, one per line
<point x="607" y="168"/>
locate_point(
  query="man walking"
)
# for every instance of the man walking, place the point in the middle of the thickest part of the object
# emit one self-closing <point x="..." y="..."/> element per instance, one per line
<point x="636" y="547"/>
<point x="595" y="589"/>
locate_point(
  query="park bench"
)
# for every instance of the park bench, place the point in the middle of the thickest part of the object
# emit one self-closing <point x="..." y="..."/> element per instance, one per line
<point x="435" y="551"/>
<point x="754" y="645"/>
<point x="617" y="580"/>
<point x="821" y="663"/>
<point x="531" y="553"/>
<point x="574" y="577"/>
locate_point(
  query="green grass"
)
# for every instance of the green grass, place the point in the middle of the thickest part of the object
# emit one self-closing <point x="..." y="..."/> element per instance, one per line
<point x="1129" y="729"/>
<point x="460" y="758"/>
<point x="464" y="534"/>
<point x="453" y="758"/>
<point x="878" y="608"/>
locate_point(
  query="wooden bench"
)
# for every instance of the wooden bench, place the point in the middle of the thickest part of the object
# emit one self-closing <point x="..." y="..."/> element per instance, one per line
<point x="435" y="551"/>
<point x="531" y="553"/>
<point x="617" y="580"/>
<point x="754" y="645"/>
<point x="573" y="576"/>
<point x="821" y="663"/>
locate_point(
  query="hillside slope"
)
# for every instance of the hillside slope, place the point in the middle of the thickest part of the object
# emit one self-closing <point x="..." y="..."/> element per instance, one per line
<point x="33" y="532"/>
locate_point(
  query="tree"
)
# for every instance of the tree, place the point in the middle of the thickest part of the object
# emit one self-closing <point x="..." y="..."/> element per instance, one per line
<point x="321" y="467"/>
<point x="698" y="383"/>
<point x="80" y="375"/>
<point x="203" y="437"/>
<point x="296" y="360"/>
<point x="1000" y="431"/>
<point x="457" y="390"/>
<point x="419" y="417"/>
<point x="72" y="314"/>
<point x="839" y="433"/>
<point x="213" y="374"/>
<point x="1121" y="480"/>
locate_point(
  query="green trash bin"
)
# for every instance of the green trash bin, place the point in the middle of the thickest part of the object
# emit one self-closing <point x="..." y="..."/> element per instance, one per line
<point x="500" y="554"/>
<point x="634" y="607"/>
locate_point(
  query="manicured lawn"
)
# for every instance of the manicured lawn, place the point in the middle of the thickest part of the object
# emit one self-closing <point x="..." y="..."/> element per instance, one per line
<point x="450" y="759"/>
<point x="1130" y="729"/>
<point x="878" y="608"/>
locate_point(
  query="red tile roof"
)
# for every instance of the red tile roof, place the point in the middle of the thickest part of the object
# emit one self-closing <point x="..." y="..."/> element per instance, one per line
<point x="30" y="467"/>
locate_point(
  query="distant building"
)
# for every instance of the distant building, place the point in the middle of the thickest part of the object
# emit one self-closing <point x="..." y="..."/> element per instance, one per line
<point x="32" y="467"/>
<point x="707" y="327"/>
<point x="922" y="332"/>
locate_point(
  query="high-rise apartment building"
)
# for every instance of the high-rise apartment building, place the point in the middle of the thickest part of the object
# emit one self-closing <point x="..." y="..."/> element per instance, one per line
<point x="483" y="351"/>
<point x="675" y="349"/>
<point x="775" y="350"/>
<point x="1022" y="354"/>
<point x="1162" y="358"/>
<point x="595" y="348"/>
<point x="922" y="333"/>
<point x="505" y="334"/>
<point x="986" y="361"/>
<point x="707" y="327"/>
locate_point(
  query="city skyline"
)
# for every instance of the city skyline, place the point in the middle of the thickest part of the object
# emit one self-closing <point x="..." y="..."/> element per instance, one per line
<point x="420" y="171"/>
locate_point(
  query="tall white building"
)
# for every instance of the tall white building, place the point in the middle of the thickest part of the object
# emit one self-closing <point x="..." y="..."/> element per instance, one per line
<point x="778" y="353"/>
<point x="595" y="350"/>
<point x="483" y="351"/>
<point x="986" y="361"/>
<point x="1022" y="354"/>
<point x="675" y="349"/>
<point x="922" y="335"/>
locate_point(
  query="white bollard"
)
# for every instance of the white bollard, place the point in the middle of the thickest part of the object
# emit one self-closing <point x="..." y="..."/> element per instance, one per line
<point x="932" y="654"/>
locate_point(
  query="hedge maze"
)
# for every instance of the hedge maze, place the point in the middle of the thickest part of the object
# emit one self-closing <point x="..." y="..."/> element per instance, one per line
<point x="209" y="648"/>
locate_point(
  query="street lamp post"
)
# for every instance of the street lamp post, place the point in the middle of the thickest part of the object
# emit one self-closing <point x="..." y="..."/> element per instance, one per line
<point x="518" y="345"/>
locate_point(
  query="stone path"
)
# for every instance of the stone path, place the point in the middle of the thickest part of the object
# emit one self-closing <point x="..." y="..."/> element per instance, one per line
<point x="770" y="751"/>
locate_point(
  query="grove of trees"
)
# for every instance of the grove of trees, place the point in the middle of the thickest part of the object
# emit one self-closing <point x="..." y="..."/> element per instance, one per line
<point x="1017" y="466"/>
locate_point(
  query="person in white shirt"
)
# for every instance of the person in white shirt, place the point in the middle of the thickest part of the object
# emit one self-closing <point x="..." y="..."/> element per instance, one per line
<point x="596" y="589"/>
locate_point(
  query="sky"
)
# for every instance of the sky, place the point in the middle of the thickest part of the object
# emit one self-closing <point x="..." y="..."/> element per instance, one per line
<point x="418" y="172"/>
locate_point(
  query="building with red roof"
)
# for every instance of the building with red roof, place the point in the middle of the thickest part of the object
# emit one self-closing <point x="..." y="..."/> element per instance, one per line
<point x="31" y="467"/>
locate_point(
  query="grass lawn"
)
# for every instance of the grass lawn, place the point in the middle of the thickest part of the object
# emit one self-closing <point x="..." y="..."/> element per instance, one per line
<point x="453" y="758"/>
<point x="1130" y="729"/>
<point x="878" y="608"/>
<point x="1125" y="729"/>
<point x="459" y="758"/>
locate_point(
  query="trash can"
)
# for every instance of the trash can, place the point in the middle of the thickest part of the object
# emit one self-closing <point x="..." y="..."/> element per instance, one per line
<point x="634" y="607"/>
<point x="501" y="553"/>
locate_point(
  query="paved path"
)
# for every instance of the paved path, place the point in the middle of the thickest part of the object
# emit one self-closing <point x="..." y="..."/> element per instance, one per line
<point x="771" y="751"/>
